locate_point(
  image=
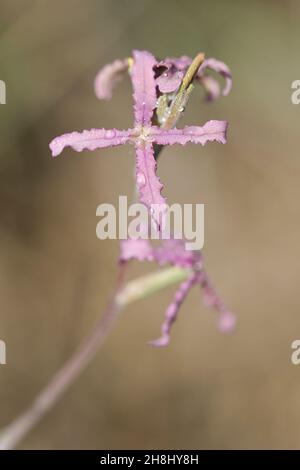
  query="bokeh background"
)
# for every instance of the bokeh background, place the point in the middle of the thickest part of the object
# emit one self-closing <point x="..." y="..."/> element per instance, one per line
<point x="206" y="390"/>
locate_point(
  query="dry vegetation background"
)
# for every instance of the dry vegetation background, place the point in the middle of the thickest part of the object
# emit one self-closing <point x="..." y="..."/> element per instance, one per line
<point x="205" y="390"/>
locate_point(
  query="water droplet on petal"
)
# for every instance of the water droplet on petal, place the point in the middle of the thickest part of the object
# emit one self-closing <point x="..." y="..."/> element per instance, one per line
<point x="110" y="134"/>
<point x="140" y="179"/>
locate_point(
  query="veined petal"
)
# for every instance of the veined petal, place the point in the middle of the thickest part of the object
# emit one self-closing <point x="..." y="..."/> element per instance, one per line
<point x="211" y="131"/>
<point x="108" y="77"/>
<point x="172" y="311"/>
<point x="90" y="140"/>
<point x="144" y="91"/>
<point x="219" y="67"/>
<point x="148" y="183"/>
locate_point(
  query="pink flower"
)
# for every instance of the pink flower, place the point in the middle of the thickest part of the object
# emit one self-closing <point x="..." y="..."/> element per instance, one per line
<point x="173" y="252"/>
<point x="151" y="81"/>
<point x="144" y="134"/>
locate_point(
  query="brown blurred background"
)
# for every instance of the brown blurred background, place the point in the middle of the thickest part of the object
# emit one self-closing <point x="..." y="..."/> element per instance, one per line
<point x="205" y="390"/>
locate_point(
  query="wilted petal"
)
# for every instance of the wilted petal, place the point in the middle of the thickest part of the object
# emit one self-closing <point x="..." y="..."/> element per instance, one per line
<point x="90" y="140"/>
<point x="219" y="67"/>
<point x="148" y="183"/>
<point x="179" y="63"/>
<point x="144" y="91"/>
<point x="211" y="87"/>
<point x="169" y="81"/>
<point x="171" y="65"/>
<point x="170" y="73"/>
<point x="108" y="77"/>
<point x="211" y="131"/>
<point x="212" y="299"/>
<point x="172" y="311"/>
<point x="138" y="249"/>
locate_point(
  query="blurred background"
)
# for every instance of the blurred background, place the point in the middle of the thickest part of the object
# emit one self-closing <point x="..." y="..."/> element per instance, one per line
<point x="205" y="390"/>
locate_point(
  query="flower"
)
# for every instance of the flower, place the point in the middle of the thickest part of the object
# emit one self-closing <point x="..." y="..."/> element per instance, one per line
<point x="173" y="252"/>
<point x="160" y="90"/>
<point x="144" y="134"/>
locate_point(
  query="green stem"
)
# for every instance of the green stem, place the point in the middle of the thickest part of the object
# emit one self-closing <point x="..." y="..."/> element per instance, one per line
<point x="149" y="284"/>
<point x="134" y="290"/>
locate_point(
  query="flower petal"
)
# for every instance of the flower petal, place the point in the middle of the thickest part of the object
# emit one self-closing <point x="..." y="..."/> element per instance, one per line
<point x="171" y="65"/>
<point x="172" y="311"/>
<point x="148" y="183"/>
<point x="144" y="91"/>
<point x="179" y="63"/>
<point x="212" y="130"/>
<point x="211" y="87"/>
<point x="169" y="73"/>
<point x="219" y="67"/>
<point x="139" y="249"/>
<point x="108" y="77"/>
<point x="169" y="82"/>
<point x="90" y="140"/>
<point x="227" y="321"/>
<point x="212" y="299"/>
<point x="173" y="252"/>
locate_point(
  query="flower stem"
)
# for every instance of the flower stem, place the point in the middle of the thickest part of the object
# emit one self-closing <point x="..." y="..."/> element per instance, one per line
<point x="134" y="290"/>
